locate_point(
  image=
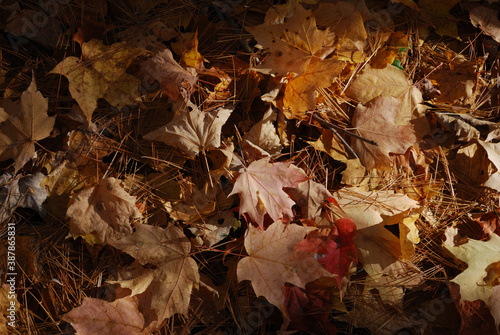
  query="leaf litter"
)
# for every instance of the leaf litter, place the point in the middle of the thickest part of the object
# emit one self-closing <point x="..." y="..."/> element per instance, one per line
<point x="190" y="166"/>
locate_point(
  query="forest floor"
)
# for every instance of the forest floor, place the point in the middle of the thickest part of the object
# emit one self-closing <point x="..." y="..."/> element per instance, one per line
<point x="249" y="167"/>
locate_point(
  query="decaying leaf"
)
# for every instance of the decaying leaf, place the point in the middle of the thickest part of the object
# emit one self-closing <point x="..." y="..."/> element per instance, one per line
<point x="27" y="123"/>
<point x="260" y="187"/>
<point x="487" y="19"/>
<point x="292" y="42"/>
<point x="192" y="130"/>
<point x="377" y="122"/>
<point x="101" y="74"/>
<point x="272" y="261"/>
<point x="164" y="290"/>
<point x="104" y="211"/>
<point x="168" y="73"/>
<point x="96" y="316"/>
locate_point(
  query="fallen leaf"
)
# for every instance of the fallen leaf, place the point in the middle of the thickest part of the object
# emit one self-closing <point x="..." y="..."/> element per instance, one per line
<point x="292" y="43"/>
<point x="387" y="82"/>
<point x="263" y="134"/>
<point x="28" y="123"/>
<point x="187" y="47"/>
<point x="166" y="288"/>
<point x="96" y="316"/>
<point x="493" y="152"/>
<point x="335" y="249"/>
<point x="310" y="196"/>
<point x="329" y="144"/>
<point x="478" y="255"/>
<point x="260" y="187"/>
<point x="24" y="192"/>
<point x="437" y="14"/>
<point x="101" y="74"/>
<point x="104" y="211"/>
<point x="486" y="18"/>
<point x="272" y="261"/>
<point x="192" y="130"/>
<point x="300" y="93"/>
<point x="168" y="73"/>
<point x="377" y="122"/>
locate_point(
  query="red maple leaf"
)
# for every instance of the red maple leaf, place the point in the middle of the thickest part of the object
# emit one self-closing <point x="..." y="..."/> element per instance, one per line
<point x="336" y="250"/>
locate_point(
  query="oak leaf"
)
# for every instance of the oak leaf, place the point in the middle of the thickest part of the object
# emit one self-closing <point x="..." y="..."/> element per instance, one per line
<point x="300" y="93"/>
<point x="101" y="74"/>
<point x="272" y="261"/>
<point x="260" y="187"/>
<point x="192" y="130"/>
<point x="27" y="122"/>
<point x="292" y="42"/>
<point x="103" y="211"/>
<point x="168" y="73"/>
<point x="377" y="122"/>
<point x="164" y="289"/>
<point x="96" y="316"/>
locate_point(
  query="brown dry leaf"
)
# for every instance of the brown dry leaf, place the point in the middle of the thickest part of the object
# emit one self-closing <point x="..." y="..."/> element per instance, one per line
<point x="263" y="135"/>
<point x="273" y="261"/>
<point x="168" y="73"/>
<point x="493" y="152"/>
<point x="292" y="42"/>
<point x="300" y="93"/>
<point x="330" y="145"/>
<point x="192" y="130"/>
<point x="260" y="187"/>
<point x="310" y="196"/>
<point x="27" y="124"/>
<point x="96" y="316"/>
<point x="437" y="14"/>
<point x="103" y="211"/>
<point x="460" y="80"/>
<point x="487" y="19"/>
<point x="345" y="20"/>
<point x="166" y="289"/>
<point x="388" y="82"/>
<point x="101" y="74"/>
<point x="377" y="122"/>
<point x="379" y="250"/>
<point x="481" y="275"/>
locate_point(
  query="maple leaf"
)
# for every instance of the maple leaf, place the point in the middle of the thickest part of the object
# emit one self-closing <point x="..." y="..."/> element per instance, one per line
<point x="96" y="316"/>
<point x="310" y="196"/>
<point x="272" y="261"/>
<point x="377" y="122"/>
<point x="101" y="74"/>
<point x="260" y="187"/>
<point x="192" y="130"/>
<point x="335" y="250"/>
<point x="487" y="19"/>
<point x="300" y="93"/>
<point x="165" y="289"/>
<point x="263" y="135"/>
<point x="104" y="211"/>
<point x="388" y="82"/>
<point x="187" y="46"/>
<point x="27" y="122"/>
<point x="292" y="43"/>
<point x="378" y="250"/>
<point x="168" y="73"/>
<point x="478" y="255"/>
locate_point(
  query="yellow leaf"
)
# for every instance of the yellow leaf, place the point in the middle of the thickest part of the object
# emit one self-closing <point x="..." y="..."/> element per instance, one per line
<point x="101" y="74"/>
